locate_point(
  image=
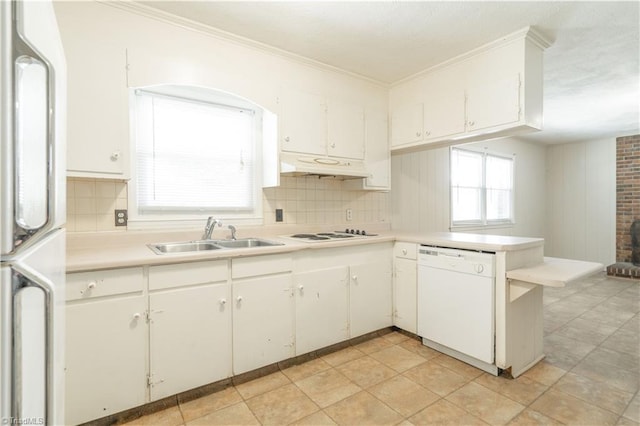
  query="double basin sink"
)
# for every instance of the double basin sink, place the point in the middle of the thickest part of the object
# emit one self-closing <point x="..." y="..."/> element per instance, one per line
<point x="207" y="245"/>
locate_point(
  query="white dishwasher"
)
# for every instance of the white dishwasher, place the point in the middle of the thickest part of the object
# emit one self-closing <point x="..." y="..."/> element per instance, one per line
<point x="456" y="303"/>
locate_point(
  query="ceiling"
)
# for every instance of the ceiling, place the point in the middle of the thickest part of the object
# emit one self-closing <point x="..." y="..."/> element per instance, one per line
<point x="591" y="74"/>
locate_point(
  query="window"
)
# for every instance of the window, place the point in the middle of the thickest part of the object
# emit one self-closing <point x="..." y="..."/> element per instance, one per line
<point x="195" y="156"/>
<point x="481" y="188"/>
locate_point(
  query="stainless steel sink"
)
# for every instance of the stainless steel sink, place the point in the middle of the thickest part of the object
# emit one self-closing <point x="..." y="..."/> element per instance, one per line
<point x="207" y="245"/>
<point x="246" y="243"/>
<point x="184" y="247"/>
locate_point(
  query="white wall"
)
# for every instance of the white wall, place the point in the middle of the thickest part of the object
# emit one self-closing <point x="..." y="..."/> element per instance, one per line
<point x="420" y="189"/>
<point x="581" y="201"/>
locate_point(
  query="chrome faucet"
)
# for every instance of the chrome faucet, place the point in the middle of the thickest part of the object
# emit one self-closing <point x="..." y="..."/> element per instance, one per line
<point x="208" y="229"/>
<point x="233" y="231"/>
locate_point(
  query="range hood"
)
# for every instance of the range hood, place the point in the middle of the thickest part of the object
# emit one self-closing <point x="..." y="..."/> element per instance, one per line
<point x="292" y="164"/>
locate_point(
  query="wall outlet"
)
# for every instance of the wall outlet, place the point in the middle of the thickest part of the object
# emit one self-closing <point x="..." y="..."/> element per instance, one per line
<point x="279" y="215"/>
<point x="121" y="217"/>
<point x="349" y="215"/>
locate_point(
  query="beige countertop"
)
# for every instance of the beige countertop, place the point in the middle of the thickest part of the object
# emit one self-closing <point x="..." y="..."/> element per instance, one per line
<point x="555" y="272"/>
<point x="470" y="241"/>
<point x="92" y="251"/>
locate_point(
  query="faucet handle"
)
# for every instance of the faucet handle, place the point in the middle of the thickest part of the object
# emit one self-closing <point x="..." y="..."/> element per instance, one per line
<point x="233" y="231"/>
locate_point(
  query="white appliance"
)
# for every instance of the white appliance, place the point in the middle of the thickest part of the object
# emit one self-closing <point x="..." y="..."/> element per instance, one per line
<point x="32" y="214"/>
<point x="456" y="312"/>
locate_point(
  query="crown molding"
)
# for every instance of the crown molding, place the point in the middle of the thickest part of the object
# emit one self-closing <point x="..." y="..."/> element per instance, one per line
<point x="528" y="33"/>
<point x="169" y="18"/>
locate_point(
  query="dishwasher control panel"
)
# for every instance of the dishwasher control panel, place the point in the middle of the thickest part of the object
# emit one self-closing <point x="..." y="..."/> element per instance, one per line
<point x="463" y="261"/>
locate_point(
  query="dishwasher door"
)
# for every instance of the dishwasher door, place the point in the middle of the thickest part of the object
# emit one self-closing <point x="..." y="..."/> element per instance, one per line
<point x="456" y="301"/>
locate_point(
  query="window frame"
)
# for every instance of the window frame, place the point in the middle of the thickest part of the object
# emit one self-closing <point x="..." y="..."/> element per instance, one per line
<point x="174" y="218"/>
<point x="483" y="222"/>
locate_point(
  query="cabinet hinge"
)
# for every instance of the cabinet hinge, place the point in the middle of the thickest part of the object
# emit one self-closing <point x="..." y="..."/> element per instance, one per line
<point x="150" y="382"/>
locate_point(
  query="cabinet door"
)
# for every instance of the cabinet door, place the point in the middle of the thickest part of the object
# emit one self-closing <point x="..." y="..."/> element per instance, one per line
<point x="105" y="357"/>
<point x="406" y="124"/>
<point x="444" y="114"/>
<point x="377" y="150"/>
<point x="322" y="310"/>
<point x="493" y="104"/>
<point x="190" y="338"/>
<point x="97" y="95"/>
<point x="304" y="123"/>
<point x="345" y="130"/>
<point x="405" y="283"/>
<point x="263" y="310"/>
<point x="370" y="297"/>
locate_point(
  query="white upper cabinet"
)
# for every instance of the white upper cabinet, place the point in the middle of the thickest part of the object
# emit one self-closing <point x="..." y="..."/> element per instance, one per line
<point x="98" y="106"/>
<point x="444" y="112"/>
<point x="312" y="124"/>
<point x="304" y="123"/>
<point x="345" y="130"/>
<point x="491" y="92"/>
<point x="493" y="103"/>
<point x="407" y="124"/>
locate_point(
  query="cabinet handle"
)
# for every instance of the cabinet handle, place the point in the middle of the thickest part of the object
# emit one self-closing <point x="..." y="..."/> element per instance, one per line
<point x="427" y="133"/>
<point x="404" y="251"/>
<point x="239" y="299"/>
<point x="90" y="286"/>
<point x="286" y="139"/>
<point x="333" y="144"/>
<point x="223" y="302"/>
<point x="355" y="278"/>
<point x="301" y="287"/>
<point x="472" y="123"/>
<point x="136" y="316"/>
<point x="418" y="134"/>
<point x="115" y="155"/>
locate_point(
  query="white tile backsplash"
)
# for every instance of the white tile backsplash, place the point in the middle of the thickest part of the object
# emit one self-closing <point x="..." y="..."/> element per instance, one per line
<point x="305" y="201"/>
<point x="91" y="204"/>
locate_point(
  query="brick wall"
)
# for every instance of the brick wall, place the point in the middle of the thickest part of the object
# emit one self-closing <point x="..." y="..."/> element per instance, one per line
<point x="628" y="193"/>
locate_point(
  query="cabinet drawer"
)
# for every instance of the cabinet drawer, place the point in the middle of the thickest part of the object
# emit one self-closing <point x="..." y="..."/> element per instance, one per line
<point x="85" y="285"/>
<point x="405" y="250"/>
<point x="183" y="274"/>
<point x="261" y="265"/>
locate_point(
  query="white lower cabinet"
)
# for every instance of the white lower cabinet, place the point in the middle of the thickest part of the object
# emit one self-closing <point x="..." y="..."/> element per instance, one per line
<point x="136" y="335"/>
<point x="405" y="294"/>
<point x="370" y="296"/>
<point x="346" y="293"/>
<point x="405" y="286"/>
<point x="106" y="357"/>
<point x="322" y="308"/>
<point x="190" y="339"/>
<point x="189" y="326"/>
<point x="263" y="310"/>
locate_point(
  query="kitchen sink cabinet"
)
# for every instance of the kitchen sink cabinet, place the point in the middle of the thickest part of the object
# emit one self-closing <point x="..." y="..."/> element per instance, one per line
<point x="322" y="308"/>
<point x="263" y="311"/>
<point x="105" y="343"/>
<point x="405" y="282"/>
<point x="315" y="125"/>
<point x="262" y="322"/>
<point x="189" y="326"/>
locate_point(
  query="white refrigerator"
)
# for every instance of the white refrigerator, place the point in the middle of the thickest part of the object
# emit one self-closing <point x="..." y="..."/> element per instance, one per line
<point x="32" y="214"/>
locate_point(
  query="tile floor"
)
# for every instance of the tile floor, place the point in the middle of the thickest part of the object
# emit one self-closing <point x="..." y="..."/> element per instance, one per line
<point x="590" y="376"/>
